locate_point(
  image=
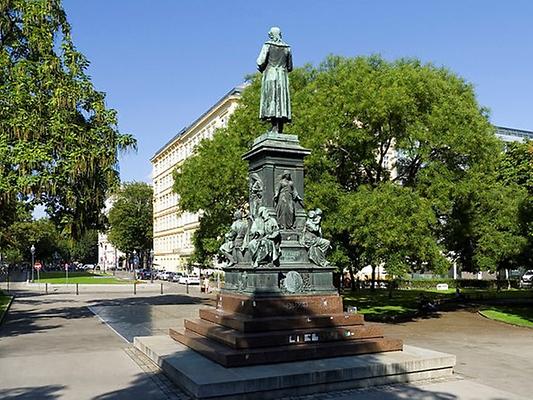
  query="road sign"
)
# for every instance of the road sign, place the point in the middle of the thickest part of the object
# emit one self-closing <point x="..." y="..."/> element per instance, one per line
<point x="37" y="266"/>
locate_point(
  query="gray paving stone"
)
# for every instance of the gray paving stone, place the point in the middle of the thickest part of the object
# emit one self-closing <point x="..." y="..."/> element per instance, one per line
<point x="203" y="378"/>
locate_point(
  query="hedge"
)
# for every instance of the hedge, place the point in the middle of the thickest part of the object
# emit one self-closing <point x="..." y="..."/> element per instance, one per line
<point x="452" y="284"/>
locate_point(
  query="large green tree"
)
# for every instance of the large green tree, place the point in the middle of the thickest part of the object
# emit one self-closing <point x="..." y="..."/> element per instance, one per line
<point x="516" y="168"/>
<point x="49" y="243"/>
<point x="391" y="225"/>
<point x="484" y="228"/>
<point x="58" y="141"/>
<point x="351" y="113"/>
<point x="131" y="219"/>
<point x="85" y="250"/>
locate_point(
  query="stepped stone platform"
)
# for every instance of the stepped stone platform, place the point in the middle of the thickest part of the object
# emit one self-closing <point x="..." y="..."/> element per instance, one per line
<point x="204" y="379"/>
<point x="264" y="348"/>
<point x="246" y="330"/>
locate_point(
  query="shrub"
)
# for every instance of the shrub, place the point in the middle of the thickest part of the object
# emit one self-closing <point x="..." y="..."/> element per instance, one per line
<point x="452" y="284"/>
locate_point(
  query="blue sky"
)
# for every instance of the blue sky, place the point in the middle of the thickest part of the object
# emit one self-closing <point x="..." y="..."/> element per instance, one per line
<point x="162" y="63"/>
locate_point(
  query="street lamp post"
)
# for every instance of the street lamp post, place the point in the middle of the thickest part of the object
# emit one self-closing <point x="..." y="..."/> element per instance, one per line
<point x="32" y="249"/>
<point x="152" y="266"/>
<point x="134" y="264"/>
<point x="115" y="262"/>
<point x="105" y="258"/>
<point x="7" y="271"/>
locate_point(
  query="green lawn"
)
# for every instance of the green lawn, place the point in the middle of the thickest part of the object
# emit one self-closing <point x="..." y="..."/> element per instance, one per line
<point x="78" y="277"/>
<point x="516" y="315"/>
<point x="4" y="301"/>
<point x="377" y="306"/>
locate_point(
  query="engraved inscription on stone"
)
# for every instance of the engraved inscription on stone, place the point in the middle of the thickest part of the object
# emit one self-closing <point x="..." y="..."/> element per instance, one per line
<point x="293" y="282"/>
<point x="304" y="338"/>
<point x="293" y="306"/>
<point x="288" y="255"/>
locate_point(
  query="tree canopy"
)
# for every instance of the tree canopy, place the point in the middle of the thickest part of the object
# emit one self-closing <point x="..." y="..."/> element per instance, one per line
<point x="381" y="206"/>
<point x="49" y="244"/>
<point x="59" y="142"/>
<point x="131" y="218"/>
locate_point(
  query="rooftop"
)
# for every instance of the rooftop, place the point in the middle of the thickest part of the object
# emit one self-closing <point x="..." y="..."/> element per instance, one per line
<point x="235" y="91"/>
<point x="513" y="135"/>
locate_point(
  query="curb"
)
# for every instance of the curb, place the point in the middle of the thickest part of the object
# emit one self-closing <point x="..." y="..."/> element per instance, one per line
<point x="3" y="317"/>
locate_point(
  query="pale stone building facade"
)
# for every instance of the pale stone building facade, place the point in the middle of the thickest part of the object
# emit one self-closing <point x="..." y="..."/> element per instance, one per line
<point x="173" y="231"/>
<point x="108" y="255"/>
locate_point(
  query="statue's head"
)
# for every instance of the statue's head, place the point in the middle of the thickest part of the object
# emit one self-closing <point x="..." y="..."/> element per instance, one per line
<point x="286" y="174"/>
<point x="237" y="214"/>
<point x="263" y="212"/>
<point x="311" y="214"/>
<point x="275" y="34"/>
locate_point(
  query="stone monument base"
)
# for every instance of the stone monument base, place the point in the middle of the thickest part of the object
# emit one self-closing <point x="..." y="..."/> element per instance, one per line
<point x="249" y="330"/>
<point x="204" y="379"/>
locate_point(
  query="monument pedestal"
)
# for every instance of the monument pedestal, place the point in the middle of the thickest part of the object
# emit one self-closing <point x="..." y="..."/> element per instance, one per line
<point x="290" y="302"/>
<point x="279" y="327"/>
<point x="248" y="330"/>
<point x="202" y="378"/>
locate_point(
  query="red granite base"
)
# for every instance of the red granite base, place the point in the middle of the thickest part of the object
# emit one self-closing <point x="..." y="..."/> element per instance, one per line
<point x="249" y="331"/>
<point x="229" y="357"/>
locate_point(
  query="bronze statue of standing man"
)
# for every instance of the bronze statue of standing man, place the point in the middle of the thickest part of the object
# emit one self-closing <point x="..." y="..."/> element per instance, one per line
<point x="275" y="62"/>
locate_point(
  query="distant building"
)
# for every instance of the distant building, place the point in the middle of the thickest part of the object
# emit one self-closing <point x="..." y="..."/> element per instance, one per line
<point x="108" y="255"/>
<point x="173" y="230"/>
<point x="513" y="135"/>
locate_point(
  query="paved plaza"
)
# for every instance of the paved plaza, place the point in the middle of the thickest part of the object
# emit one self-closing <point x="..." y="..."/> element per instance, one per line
<point x="63" y="346"/>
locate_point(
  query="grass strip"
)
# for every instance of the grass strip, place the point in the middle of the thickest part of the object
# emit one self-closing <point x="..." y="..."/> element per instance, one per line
<point x="4" y="304"/>
<point x="515" y="315"/>
<point x="82" y="277"/>
<point x="377" y="306"/>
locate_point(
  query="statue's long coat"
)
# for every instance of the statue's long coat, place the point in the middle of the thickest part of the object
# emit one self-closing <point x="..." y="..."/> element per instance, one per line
<point x="275" y="62"/>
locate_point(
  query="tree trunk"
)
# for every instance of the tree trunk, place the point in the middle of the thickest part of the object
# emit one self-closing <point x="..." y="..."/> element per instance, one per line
<point x="508" y="279"/>
<point x="373" y="286"/>
<point x="352" y="277"/>
<point x="391" y="285"/>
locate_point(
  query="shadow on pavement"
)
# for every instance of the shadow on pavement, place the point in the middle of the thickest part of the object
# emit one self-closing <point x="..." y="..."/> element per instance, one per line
<point x="49" y="392"/>
<point x="399" y="392"/>
<point x="29" y="315"/>
<point x="145" y="387"/>
<point x="169" y="299"/>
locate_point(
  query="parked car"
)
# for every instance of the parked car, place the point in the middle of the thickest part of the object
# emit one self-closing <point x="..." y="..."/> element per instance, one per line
<point x="171" y="276"/>
<point x="527" y="278"/>
<point x="189" y="279"/>
<point x="144" y="274"/>
<point x="164" y="275"/>
<point x="177" y="276"/>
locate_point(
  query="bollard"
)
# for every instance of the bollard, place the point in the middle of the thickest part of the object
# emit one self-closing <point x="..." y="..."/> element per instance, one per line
<point x="46" y="287"/>
<point x="161" y="287"/>
<point x="77" y="289"/>
<point x="187" y="286"/>
<point x="134" y="287"/>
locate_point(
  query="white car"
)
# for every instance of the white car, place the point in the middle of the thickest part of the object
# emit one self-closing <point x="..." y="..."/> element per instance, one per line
<point x="189" y="279"/>
<point x="527" y="279"/>
<point x="164" y="275"/>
